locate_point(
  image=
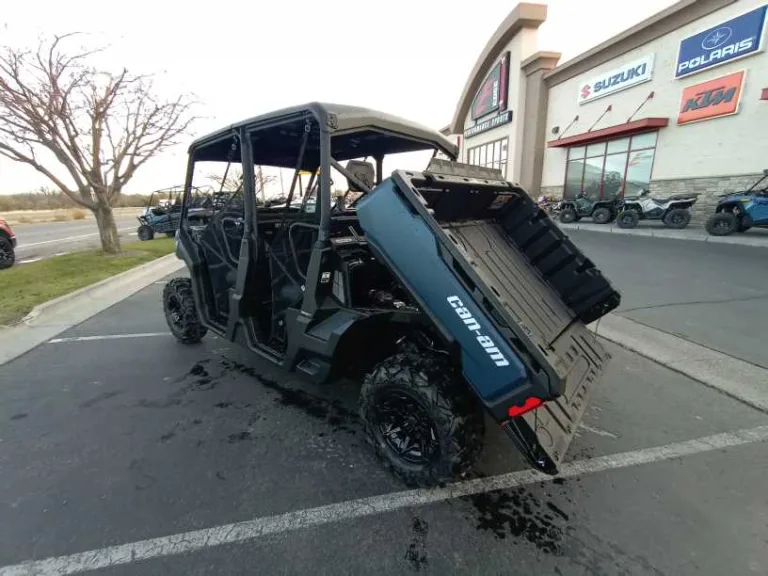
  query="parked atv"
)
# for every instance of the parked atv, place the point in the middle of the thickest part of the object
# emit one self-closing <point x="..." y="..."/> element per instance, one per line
<point x="164" y="217"/>
<point x="740" y="211"/>
<point x="406" y="288"/>
<point x="601" y="211"/>
<point x="674" y="211"/>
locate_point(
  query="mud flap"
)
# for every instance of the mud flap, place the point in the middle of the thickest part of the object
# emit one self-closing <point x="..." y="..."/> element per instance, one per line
<point x="543" y="435"/>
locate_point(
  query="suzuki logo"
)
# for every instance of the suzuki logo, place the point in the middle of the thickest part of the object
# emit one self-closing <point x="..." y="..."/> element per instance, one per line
<point x="586" y="91"/>
<point x="716" y="38"/>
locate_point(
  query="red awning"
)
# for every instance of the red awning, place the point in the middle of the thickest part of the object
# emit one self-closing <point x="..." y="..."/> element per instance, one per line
<point x="642" y="125"/>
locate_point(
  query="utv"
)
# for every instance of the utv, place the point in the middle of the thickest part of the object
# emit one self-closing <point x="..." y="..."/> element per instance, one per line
<point x="601" y="211"/>
<point x="740" y="211"/>
<point x="674" y="211"/>
<point x="164" y="217"/>
<point x="447" y="291"/>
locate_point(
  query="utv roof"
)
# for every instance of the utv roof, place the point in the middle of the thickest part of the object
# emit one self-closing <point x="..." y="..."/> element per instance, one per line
<point x="404" y="135"/>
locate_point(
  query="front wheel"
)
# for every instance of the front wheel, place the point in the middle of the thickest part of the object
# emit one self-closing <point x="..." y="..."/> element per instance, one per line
<point x="601" y="215"/>
<point x="627" y="219"/>
<point x="677" y="218"/>
<point x="421" y="418"/>
<point x="568" y="215"/>
<point x="180" y="311"/>
<point x="145" y="233"/>
<point x="722" y="224"/>
<point x="7" y="255"/>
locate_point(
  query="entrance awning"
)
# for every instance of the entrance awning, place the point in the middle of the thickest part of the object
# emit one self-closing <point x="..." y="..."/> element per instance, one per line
<point x="627" y="129"/>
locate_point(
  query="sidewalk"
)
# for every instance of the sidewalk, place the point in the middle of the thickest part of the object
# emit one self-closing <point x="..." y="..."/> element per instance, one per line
<point x="755" y="237"/>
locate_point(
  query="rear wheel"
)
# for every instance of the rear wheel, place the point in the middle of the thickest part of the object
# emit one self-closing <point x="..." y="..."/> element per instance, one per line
<point x="145" y="233"/>
<point x="568" y="215"/>
<point x="627" y="219"/>
<point x="601" y="215"/>
<point x="422" y="419"/>
<point x="722" y="224"/>
<point x="180" y="312"/>
<point x="7" y="255"/>
<point x="677" y="218"/>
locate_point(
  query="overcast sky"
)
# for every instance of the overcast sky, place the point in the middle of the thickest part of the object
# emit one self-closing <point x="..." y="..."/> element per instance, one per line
<point x="407" y="57"/>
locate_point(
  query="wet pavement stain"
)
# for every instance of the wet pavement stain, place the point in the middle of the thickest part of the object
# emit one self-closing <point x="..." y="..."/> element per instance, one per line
<point x="19" y="416"/>
<point x="518" y="513"/>
<point x="100" y="398"/>
<point x="333" y="412"/>
<point x="416" y="554"/>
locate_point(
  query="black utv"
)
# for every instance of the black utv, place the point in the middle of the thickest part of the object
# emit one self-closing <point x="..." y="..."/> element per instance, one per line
<point x="447" y="292"/>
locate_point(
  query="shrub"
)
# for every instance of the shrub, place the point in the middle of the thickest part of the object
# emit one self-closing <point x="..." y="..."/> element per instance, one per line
<point x="78" y="214"/>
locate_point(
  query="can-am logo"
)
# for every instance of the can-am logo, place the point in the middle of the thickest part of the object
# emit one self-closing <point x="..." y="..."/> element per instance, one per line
<point x="631" y="74"/>
<point x="734" y="38"/>
<point x="718" y="97"/>
<point x="474" y="326"/>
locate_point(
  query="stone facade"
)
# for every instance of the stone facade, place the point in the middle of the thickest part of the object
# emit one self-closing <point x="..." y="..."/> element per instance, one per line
<point x="708" y="189"/>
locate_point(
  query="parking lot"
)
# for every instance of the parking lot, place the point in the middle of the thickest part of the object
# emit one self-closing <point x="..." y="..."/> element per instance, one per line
<point x="126" y="452"/>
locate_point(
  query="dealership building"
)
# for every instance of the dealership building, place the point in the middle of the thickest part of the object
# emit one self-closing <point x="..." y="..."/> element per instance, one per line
<point x="676" y="104"/>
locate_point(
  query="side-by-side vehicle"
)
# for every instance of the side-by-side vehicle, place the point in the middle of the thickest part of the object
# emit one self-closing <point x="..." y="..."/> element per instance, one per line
<point x="447" y="292"/>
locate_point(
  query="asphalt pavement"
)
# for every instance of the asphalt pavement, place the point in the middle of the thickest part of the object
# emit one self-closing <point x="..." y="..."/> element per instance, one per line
<point x="713" y="294"/>
<point x="36" y="241"/>
<point x="109" y="440"/>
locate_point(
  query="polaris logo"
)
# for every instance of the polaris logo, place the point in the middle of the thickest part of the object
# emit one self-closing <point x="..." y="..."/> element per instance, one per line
<point x="717" y="54"/>
<point x="474" y="326"/>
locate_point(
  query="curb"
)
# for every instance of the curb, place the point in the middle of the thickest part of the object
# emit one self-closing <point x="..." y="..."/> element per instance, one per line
<point x="51" y="318"/>
<point x="736" y="378"/>
<point x="758" y="242"/>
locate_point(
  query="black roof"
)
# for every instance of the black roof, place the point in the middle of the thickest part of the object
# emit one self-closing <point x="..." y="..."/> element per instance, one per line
<point x="340" y="119"/>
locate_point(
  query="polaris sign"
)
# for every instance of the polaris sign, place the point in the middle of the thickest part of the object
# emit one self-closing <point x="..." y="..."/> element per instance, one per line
<point x="631" y="74"/>
<point x="735" y="38"/>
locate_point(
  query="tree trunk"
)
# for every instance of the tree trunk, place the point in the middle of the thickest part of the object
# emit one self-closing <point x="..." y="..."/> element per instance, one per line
<point x="105" y="220"/>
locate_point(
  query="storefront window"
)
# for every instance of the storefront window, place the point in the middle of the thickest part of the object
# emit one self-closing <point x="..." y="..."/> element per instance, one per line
<point x="490" y="155"/>
<point x="620" y="167"/>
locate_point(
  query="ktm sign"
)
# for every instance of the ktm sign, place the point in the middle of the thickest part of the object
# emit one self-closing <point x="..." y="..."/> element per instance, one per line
<point x="712" y="99"/>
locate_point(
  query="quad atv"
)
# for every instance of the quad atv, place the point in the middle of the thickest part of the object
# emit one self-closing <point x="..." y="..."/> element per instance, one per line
<point x="601" y="211"/>
<point x="674" y="211"/>
<point x="164" y="217"/>
<point x="447" y="292"/>
<point x="740" y="211"/>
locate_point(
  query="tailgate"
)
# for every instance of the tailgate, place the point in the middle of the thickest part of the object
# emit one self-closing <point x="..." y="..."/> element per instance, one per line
<point x="537" y="288"/>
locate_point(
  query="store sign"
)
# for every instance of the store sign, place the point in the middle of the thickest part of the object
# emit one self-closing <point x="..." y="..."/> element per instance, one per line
<point x="631" y="74"/>
<point x="735" y="38"/>
<point x="495" y="122"/>
<point x="492" y="95"/>
<point x="712" y="99"/>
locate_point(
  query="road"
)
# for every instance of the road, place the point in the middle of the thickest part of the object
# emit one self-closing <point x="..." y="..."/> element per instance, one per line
<point x="713" y="294"/>
<point x="49" y="238"/>
<point x="113" y="441"/>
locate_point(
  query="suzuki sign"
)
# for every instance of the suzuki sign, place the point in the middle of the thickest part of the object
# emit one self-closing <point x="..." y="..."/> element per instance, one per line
<point x="732" y="39"/>
<point x="631" y="74"/>
<point x="712" y="99"/>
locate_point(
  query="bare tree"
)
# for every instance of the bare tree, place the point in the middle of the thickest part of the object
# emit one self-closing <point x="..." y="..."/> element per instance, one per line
<point x="232" y="181"/>
<point x="98" y="127"/>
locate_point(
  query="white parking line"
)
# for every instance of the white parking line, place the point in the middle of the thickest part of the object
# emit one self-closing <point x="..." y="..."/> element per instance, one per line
<point x="107" y="337"/>
<point x="249" y="530"/>
<point x="67" y="238"/>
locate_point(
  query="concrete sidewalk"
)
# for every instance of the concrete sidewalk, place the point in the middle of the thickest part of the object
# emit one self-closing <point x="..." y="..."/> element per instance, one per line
<point x="756" y="237"/>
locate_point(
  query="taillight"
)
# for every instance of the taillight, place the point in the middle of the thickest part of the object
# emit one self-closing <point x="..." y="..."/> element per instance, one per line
<point x="530" y="404"/>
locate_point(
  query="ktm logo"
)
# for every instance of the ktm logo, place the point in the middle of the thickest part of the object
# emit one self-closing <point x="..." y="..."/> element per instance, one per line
<point x="713" y="97"/>
<point x="586" y="91"/>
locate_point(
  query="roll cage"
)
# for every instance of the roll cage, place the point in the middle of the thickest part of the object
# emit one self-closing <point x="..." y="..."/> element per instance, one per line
<point x="315" y="138"/>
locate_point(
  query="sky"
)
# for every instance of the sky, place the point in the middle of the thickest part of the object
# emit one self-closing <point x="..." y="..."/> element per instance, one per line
<point x="410" y="58"/>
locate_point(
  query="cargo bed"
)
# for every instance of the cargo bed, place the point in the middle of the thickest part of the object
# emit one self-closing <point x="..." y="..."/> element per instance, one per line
<point x="533" y="283"/>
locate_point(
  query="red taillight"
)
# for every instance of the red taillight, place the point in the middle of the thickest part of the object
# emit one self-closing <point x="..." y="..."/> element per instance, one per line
<point x="530" y="404"/>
